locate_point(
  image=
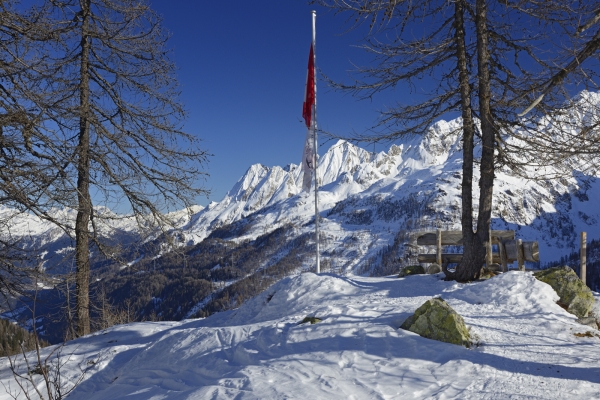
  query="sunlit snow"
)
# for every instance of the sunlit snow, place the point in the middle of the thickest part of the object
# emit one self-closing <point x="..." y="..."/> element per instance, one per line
<point x="526" y="346"/>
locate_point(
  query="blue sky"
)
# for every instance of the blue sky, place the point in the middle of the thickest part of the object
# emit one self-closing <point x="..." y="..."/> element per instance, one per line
<point x="242" y="70"/>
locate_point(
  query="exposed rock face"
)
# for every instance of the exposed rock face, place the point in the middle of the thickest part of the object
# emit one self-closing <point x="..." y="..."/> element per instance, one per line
<point x="411" y="270"/>
<point x="434" y="269"/>
<point x="312" y="320"/>
<point x="487" y="273"/>
<point x="576" y="297"/>
<point x="436" y="320"/>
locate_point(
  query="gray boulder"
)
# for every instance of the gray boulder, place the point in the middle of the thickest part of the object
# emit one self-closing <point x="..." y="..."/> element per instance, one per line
<point x="589" y="321"/>
<point x="487" y="273"/>
<point x="436" y="320"/>
<point x="574" y="295"/>
<point x="411" y="270"/>
<point x="434" y="268"/>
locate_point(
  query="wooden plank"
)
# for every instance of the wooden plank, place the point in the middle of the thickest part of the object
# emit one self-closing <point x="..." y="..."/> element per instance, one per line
<point x="511" y="250"/>
<point x="496" y="257"/>
<point x="502" y="235"/>
<point x="488" y="250"/>
<point x="454" y="238"/>
<point x="449" y="238"/>
<point x="531" y="251"/>
<point x="520" y="256"/>
<point x="503" y="260"/>
<point x="438" y="244"/>
<point x="451" y="257"/>
<point x="583" y="256"/>
<point x="431" y="258"/>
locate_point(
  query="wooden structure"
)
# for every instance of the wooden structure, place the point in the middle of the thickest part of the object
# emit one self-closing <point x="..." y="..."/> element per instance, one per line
<point x="583" y="256"/>
<point x="509" y="249"/>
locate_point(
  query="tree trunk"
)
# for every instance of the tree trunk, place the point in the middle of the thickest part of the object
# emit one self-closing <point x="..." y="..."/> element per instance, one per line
<point x="474" y="260"/>
<point x="84" y="209"/>
<point x="470" y="240"/>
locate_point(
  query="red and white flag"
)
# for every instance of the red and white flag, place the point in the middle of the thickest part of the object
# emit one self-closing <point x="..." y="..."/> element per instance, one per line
<point x="308" y="155"/>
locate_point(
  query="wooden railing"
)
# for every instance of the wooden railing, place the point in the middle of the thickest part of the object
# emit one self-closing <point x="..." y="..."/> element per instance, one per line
<point x="509" y="249"/>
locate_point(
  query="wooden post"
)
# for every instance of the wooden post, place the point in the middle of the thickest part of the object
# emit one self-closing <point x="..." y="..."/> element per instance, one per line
<point x="583" y="257"/>
<point x="438" y="237"/>
<point x="488" y="249"/>
<point x="531" y="251"/>
<point x="520" y="255"/>
<point x="502" y="251"/>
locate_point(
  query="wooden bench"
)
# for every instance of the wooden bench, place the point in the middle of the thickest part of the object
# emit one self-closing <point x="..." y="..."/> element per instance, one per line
<point x="509" y="249"/>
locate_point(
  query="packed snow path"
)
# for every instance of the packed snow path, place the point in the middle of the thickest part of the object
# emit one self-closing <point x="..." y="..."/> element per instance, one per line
<point x="527" y="346"/>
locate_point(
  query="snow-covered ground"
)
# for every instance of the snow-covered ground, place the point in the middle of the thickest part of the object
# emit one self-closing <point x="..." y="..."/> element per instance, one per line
<point x="527" y="347"/>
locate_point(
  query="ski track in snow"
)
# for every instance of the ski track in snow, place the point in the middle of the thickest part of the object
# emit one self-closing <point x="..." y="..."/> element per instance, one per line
<point x="527" y="347"/>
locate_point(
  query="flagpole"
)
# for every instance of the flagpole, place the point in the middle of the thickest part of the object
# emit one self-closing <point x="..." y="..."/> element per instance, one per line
<point x="314" y="43"/>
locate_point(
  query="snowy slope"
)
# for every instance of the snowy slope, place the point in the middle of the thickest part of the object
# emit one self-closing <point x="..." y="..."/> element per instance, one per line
<point x="527" y="347"/>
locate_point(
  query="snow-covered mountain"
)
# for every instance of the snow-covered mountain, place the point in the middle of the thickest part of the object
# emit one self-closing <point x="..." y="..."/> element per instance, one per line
<point x="414" y="185"/>
<point x="367" y="199"/>
<point x="55" y="246"/>
<point x="370" y="206"/>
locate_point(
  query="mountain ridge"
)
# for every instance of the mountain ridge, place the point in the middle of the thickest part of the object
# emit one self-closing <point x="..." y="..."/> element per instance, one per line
<point x="360" y="188"/>
<point x="370" y="207"/>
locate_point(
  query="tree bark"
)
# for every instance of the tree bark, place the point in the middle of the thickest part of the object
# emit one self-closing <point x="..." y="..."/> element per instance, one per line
<point x="471" y="266"/>
<point x="84" y="208"/>
<point x="471" y="242"/>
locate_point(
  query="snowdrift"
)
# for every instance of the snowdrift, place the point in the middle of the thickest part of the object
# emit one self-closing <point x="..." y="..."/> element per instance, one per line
<point x="527" y="347"/>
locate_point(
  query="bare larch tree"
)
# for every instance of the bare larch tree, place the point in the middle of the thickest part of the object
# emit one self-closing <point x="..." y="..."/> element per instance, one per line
<point x="111" y="122"/>
<point x="25" y="174"/>
<point x="481" y="59"/>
